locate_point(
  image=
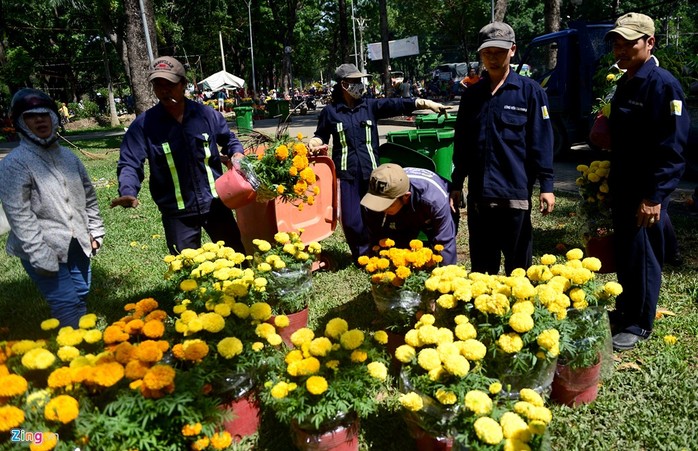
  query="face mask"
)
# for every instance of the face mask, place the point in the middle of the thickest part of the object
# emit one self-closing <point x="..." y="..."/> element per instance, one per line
<point x="356" y="90"/>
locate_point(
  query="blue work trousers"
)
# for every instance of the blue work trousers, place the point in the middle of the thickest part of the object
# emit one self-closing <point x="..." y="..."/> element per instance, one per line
<point x="355" y="232"/>
<point x="497" y="231"/>
<point x="66" y="290"/>
<point x="639" y="256"/>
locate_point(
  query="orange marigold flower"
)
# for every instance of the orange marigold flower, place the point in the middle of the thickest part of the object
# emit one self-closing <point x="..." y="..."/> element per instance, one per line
<point x="61" y="377"/>
<point x="10" y="417"/>
<point x="134" y="326"/>
<point x="221" y="440"/>
<point x="191" y="429"/>
<point x="200" y="444"/>
<point x="157" y="315"/>
<point x="49" y="440"/>
<point x="114" y="334"/>
<point x="178" y="351"/>
<point x="12" y="385"/>
<point x="158" y="377"/>
<point x="124" y="352"/>
<point x="195" y="350"/>
<point x="147" y="305"/>
<point x="135" y="369"/>
<point x="148" y="351"/>
<point x="62" y="408"/>
<point x="108" y="374"/>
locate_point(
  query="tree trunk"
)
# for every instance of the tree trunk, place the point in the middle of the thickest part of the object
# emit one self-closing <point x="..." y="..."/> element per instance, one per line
<point x="138" y="62"/>
<point x="343" y="32"/>
<point x="113" y="117"/>
<point x="500" y="10"/>
<point x="385" y="46"/>
<point x="551" y="11"/>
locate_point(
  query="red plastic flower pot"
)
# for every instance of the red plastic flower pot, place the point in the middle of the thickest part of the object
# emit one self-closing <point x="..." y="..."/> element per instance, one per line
<point x="572" y="386"/>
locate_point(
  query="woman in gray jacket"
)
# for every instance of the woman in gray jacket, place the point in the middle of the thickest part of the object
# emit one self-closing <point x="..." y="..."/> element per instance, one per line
<point x="51" y="206"/>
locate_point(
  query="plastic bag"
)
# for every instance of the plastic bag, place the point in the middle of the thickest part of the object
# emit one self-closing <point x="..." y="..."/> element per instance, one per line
<point x="4" y="224"/>
<point x="600" y="134"/>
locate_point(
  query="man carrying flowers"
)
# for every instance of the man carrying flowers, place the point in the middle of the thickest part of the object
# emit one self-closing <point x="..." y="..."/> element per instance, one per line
<point x="401" y="203"/>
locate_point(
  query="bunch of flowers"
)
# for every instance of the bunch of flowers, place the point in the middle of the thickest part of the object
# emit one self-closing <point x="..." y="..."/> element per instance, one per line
<point x="446" y="394"/>
<point x="328" y="376"/>
<point x="286" y="264"/>
<point x="397" y="280"/>
<point x="282" y="169"/>
<point x="595" y="207"/>
<point x="585" y="332"/>
<point x="516" y="317"/>
<point x="106" y="386"/>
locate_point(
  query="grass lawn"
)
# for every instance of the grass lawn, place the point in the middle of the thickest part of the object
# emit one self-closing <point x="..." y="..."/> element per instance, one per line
<point x="649" y="403"/>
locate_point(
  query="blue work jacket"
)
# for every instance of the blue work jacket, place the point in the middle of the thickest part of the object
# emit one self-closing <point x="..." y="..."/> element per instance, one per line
<point x="649" y="126"/>
<point x="503" y="142"/>
<point x="428" y="211"/>
<point x="354" y="133"/>
<point x="184" y="159"/>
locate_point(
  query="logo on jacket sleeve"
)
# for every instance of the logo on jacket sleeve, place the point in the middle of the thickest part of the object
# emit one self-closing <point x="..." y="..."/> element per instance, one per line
<point x="544" y="110"/>
<point x="676" y="107"/>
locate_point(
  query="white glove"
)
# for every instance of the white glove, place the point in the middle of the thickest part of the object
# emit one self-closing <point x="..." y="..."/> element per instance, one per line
<point x="425" y="104"/>
<point x="315" y="143"/>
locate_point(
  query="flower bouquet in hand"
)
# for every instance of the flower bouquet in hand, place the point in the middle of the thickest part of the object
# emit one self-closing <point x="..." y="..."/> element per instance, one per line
<point x="397" y="280"/>
<point x="595" y="206"/>
<point x="280" y="168"/>
<point x="329" y="377"/>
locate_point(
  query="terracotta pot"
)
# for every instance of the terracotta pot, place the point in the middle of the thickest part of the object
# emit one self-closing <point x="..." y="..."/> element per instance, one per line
<point x="425" y="442"/>
<point x="343" y="437"/>
<point x="245" y="420"/>
<point x="572" y="386"/>
<point x="602" y="248"/>
<point x="296" y="321"/>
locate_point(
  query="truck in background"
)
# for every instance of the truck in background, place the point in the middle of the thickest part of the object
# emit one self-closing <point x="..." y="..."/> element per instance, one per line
<point x="564" y="63"/>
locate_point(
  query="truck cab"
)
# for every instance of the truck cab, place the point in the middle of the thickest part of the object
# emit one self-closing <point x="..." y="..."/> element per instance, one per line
<point x="564" y="64"/>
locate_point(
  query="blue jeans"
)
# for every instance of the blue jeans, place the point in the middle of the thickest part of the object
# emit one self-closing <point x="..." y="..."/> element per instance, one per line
<point x="66" y="291"/>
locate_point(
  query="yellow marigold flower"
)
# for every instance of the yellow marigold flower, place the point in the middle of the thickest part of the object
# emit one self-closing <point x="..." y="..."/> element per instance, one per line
<point x="377" y="370"/>
<point x="592" y="263"/>
<point x="12" y="385"/>
<point x="260" y="311"/>
<point x="188" y="285"/>
<point x="358" y="356"/>
<point x="158" y="377"/>
<point x="668" y="339"/>
<point x="189" y="430"/>
<point x="241" y="310"/>
<point x="548" y="339"/>
<point x="478" y="402"/>
<point x="316" y="385"/>
<point x="280" y="390"/>
<point x="320" y="346"/>
<point x="38" y="359"/>
<point x="282" y="238"/>
<point x="221" y="440"/>
<point x="381" y="337"/>
<point x="537" y="427"/>
<point x="529" y="395"/>
<point x="488" y="431"/>
<point x="521" y="322"/>
<point x="351" y="339"/>
<point x="67" y="336"/>
<point x="62" y="408"/>
<point x="613" y="288"/>
<point x="281" y="321"/>
<point x="465" y="331"/>
<point x="456" y="365"/>
<point x="574" y="254"/>
<point x="10" y="418"/>
<point x="263" y="330"/>
<point x="302" y="336"/>
<point x="495" y="387"/>
<point x="473" y="350"/>
<point x="511" y="342"/>
<point x="61" y="377"/>
<point x="87" y="321"/>
<point x="67" y="353"/>
<point x="514" y="427"/>
<point x="281" y="152"/>
<point x="416" y="244"/>
<point x="548" y="259"/>
<point x="411" y="401"/>
<point x="93" y="336"/>
<point x="405" y="353"/>
<point x="446" y="397"/>
<point x="50" y="324"/>
<point x="212" y="322"/>
<point x="428" y="359"/>
<point x="447" y="301"/>
<point x="336" y="327"/>
<point x="540" y="413"/>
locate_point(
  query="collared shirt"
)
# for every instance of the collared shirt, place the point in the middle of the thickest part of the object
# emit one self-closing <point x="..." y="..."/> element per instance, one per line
<point x="184" y="159"/>
<point x="503" y="142"/>
<point x="49" y="200"/>
<point x="649" y="126"/>
<point x="428" y="211"/>
<point x="354" y="133"/>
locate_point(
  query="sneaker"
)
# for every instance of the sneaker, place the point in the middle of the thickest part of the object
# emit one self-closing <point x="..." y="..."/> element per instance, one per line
<point x="624" y="341"/>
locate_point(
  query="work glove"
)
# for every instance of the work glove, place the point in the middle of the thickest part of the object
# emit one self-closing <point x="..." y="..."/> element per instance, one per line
<point x="315" y="143"/>
<point x="425" y="104"/>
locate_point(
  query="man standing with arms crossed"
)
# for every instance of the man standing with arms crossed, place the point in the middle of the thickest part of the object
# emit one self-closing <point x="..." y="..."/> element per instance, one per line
<point x="503" y="144"/>
<point x="180" y="140"/>
<point x="649" y="130"/>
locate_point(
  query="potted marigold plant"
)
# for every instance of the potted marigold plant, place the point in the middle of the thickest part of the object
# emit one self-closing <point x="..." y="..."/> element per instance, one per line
<point x="585" y="342"/>
<point x="330" y="381"/>
<point x="595" y="212"/>
<point x="397" y="280"/>
<point x="516" y="317"/>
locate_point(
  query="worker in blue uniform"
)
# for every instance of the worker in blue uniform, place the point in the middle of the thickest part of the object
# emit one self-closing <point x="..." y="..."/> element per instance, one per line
<point x="503" y="143"/>
<point x="401" y="203"/>
<point x="179" y="138"/>
<point x="351" y="120"/>
<point x="649" y="131"/>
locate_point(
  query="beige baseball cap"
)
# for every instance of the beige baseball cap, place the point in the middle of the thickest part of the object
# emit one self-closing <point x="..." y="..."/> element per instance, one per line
<point x="168" y="68"/>
<point x="388" y="182"/>
<point x="633" y="26"/>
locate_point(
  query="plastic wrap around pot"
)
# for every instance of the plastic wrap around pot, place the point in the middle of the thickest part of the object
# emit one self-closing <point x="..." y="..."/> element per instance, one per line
<point x="290" y="289"/>
<point x="397" y="308"/>
<point x="539" y="378"/>
<point x="433" y="418"/>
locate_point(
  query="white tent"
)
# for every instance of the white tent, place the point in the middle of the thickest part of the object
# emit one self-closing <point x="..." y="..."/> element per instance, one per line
<point x="221" y="80"/>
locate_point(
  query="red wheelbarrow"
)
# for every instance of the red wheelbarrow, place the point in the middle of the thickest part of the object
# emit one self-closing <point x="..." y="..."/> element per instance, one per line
<point x="262" y="220"/>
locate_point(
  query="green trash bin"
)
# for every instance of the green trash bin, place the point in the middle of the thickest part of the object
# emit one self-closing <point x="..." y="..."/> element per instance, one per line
<point x="278" y="108"/>
<point x="436" y="143"/>
<point x="243" y="118"/>
<point x="426" y="121"/>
